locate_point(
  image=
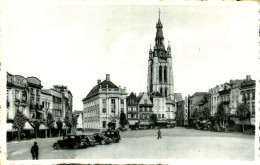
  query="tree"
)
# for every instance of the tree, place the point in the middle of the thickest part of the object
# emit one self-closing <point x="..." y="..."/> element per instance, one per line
<point x="59" y="124"/>
<point x="195" y="114"/>
<point x="221" y="114"/>
<point x="123" y="121"/>
<point x="67" y="122"/>
<point x="153" y="119"/>
<point x="206" y="113"/>
<point x="19" y="122"/>
<point x="36" y="127"/>
<point x="50" y="122"/>
<point x="243" y="112"/>
<point x="74" y="122"/>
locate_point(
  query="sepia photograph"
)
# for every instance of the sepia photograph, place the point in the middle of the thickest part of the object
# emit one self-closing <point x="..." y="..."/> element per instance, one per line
<point x="130" y="81"/>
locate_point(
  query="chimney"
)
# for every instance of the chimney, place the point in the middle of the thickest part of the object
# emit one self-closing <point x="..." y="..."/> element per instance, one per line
<point x="98" y="81"/>
<point x="248" y="77"/>
<point x="108" y="77"/>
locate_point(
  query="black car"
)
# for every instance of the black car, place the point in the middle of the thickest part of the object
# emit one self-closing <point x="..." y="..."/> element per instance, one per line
<point x="91" y="140"/>
<point x="71" y="141"/>
<point x="114" y="135"/>
<point x="102" y="139"/>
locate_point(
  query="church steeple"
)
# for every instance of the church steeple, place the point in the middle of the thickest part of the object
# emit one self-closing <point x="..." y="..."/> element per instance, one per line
<point x="159" y="39"/>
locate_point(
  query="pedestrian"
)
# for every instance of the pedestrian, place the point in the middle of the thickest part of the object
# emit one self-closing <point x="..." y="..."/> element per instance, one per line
<point x="34" y="151"/>
<point x="159" y="134"/>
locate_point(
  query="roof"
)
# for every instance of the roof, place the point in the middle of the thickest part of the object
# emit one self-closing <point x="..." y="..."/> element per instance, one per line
<point x="178" y="97"/>
<point x="157" y="94"/>
<point x="199" y="93"/>
<point x="103" y="84"/>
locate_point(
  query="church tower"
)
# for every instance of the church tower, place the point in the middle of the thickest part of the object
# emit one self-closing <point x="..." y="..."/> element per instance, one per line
<point x="160" y="74"/>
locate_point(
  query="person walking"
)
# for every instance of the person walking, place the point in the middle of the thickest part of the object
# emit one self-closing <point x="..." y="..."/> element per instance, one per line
<point x="34" y="151"/>
<point x="159" y="134"/>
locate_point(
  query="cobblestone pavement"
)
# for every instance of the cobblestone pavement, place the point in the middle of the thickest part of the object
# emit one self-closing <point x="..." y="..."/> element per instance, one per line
<point x="176" y="143"/>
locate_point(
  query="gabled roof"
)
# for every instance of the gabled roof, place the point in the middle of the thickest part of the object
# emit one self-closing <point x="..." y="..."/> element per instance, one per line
<point x="178" y="97"/>
<point x="103" y="84"/>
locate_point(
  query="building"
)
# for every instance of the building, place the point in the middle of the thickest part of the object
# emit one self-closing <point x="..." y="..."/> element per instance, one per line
<point x="214" y="92"/>
<point x="132" y="110"/>
<point x="234" y="95"/>
<point x="79" y="115"/>
<point x="160" y="71"/>
<point x="67" y="99"/>
<point x="247" y="96"/>
<point x="194" y="103"/>
<point x="103" y="105"/>
<point x="145" y="106"/>
<point x="23" y="94"/>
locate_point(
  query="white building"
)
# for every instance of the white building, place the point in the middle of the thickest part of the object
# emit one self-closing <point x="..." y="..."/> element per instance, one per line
<point x="103" y="105"/>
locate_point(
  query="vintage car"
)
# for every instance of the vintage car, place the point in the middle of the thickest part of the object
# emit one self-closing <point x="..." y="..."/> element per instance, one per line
<point x="102" y="139"/>
<point x="91" y="140"/>
<point x="114" y="135"/>
<point x="71" y="141"/>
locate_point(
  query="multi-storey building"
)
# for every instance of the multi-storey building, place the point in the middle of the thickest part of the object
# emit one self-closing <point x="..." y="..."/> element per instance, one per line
<point x="224" y="96"/>
<point x="103" y="105"/>
<point x="67" y="99"/>
<point x="132" y="109"/>
<point x="247" y="95"/>
<point x="145" y="106"/>
<point x="160" y="71"/>
<point x="194" y="102"/>
<point x="234" y="95"/>
<point x="214" y="93"/>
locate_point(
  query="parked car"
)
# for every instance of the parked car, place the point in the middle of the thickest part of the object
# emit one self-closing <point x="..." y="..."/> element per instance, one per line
<point x="114" y="135"/>
<point x="71" y="141"/>
<point x="91" y="140"/>
<point x="102" y="139"/>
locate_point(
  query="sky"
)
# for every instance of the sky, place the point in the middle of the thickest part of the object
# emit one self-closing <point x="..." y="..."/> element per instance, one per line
<point x="75" y="45"/>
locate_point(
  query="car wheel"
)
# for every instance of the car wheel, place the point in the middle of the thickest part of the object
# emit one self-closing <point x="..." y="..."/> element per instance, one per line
<point x="56" y="146"/>
<point x="103" y="142"/>
<point x="76" y="146"/>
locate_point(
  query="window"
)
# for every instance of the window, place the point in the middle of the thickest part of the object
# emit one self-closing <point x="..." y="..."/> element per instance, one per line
<point x="169" y="109"/>
<point x="31" y="91"/>
<point x="129" y="108"/>
<point x="145" y="101"/>
<point x="162" y="115"/>
<point x="37" y="92"/>
<point x="16" y="95"/>
<point x="104" y="124"/>
<point x="160" y="74"/>
<point x="159" y="115"/>
<point x="104" y="105"/>
<point x="253" y="96"/>
<point x="165" y="75"/>
<point x="122" y="101"/>
<point x="134" y="108"/>
<point x="253" y="108"/>
<point x="129" y="116"/>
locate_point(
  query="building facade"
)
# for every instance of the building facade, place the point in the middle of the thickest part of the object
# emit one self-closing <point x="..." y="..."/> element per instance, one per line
<point x="132" y="109"/>
<point x="160" y="70"/>
<point x="103" y="105"/>
<point x="145" y="106"/>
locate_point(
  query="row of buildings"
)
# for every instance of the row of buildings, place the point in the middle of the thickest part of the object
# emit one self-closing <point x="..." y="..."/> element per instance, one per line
<point x="28" y="96"/>
<point x="105" y="101"/>
<point x="231" y="94"/>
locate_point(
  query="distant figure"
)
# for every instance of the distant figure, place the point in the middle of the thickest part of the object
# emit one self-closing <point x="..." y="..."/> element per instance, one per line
<point x="159" y="134"/>
<point x="34" y="151"/>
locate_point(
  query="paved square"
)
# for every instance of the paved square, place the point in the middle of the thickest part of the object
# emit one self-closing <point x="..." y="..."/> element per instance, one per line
<point x="176" y="143"/>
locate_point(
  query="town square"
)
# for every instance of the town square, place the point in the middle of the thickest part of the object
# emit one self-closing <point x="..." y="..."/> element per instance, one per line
<point x="131" y="82"/>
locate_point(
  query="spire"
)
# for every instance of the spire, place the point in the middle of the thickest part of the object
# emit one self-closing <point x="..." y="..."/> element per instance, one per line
<point x="159" y="34"/>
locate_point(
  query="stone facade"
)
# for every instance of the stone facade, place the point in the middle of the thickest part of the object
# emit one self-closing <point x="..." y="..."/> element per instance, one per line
<point x="103" y="105"/>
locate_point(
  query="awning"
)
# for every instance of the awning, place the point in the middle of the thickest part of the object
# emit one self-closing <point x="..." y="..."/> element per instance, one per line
<point x="9" y="127"/>
<point x="42" y="127"/>
<point x="132" y="122"/>
<point x="162" y="121"/>
<point x="203" y="121"/>
<point x="144" y="123"/>
<point x="27" y="126"/>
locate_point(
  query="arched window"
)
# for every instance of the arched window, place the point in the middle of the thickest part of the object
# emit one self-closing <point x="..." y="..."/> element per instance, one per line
<point x="160" y="74"/>
<point x="165" y="74"/>
<point x="161" y="91"/>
